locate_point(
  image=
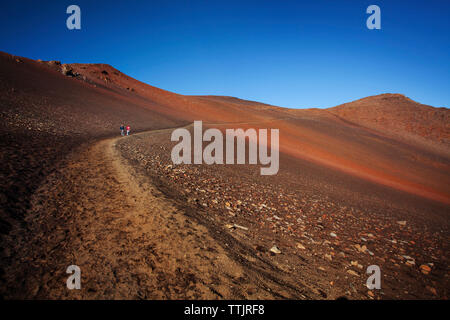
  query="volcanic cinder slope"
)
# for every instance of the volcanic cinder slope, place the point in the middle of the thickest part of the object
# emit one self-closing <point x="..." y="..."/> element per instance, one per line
<point x="373" y="173"/>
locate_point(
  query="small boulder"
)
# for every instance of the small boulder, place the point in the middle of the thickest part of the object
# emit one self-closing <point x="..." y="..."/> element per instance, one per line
<point x="275" y="250"/>
<point x="425" y="269"/>
<point x="353" y="273"/>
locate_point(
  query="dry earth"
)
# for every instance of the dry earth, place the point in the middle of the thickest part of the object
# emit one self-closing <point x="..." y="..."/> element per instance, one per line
<point x="130" y="241"/>
<point x="328" y="226"/>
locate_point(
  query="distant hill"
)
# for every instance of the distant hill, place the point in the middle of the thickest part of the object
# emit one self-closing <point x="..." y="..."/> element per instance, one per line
<point x="398" y="115"/>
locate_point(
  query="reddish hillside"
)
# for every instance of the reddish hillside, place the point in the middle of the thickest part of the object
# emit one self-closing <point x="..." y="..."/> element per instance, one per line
<point x="398" y="115"/>
<point x="386" y="155"/>
<point x="90" y="100"/>
<point x="46" y="100"/>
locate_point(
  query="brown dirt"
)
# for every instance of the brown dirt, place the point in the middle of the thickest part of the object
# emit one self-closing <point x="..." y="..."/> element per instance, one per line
<point x="130" y="241"/>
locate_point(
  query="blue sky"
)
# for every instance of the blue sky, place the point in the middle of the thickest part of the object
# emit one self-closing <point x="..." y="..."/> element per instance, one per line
<point x="287" y="53"/>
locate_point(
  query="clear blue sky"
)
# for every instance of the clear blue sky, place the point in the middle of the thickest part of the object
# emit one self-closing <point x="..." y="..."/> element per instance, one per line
<point x="288" y="53"/>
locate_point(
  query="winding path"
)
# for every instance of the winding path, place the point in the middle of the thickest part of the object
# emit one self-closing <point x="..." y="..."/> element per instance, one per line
<point x="129" y="240"/>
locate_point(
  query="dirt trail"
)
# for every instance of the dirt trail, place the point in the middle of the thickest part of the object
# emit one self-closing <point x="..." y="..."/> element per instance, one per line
<point x="134" y="243"/>
<point x="130" y="240"/>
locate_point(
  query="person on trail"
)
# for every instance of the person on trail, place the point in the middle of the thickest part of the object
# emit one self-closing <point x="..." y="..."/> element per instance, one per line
<point x="128" y="130"/>
<point x="122" y="130"/>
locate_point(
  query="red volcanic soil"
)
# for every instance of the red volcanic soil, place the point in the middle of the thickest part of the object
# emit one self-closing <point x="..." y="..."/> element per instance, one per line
<point x="398" y="115"/>
<point x="374" y="172"/>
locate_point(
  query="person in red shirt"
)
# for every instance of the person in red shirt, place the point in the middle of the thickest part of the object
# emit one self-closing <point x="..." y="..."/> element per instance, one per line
<point x="128" y="130"/>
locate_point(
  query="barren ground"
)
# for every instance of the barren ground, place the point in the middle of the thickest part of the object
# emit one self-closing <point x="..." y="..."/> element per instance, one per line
<point x="130" y="241"/>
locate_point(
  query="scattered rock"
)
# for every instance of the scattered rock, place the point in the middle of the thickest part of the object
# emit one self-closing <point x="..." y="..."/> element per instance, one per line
<point x="54" y="62"/>
<point x="432" y="290"/>
<point x="425" y="269"/>
<point x="240" y="227"/>
<point x="353" y="273"/>
<point x="361" y="248"/>
<point x="236" y="226"/>
<point x="275" y="250"/>
<point x="410" y="263"/>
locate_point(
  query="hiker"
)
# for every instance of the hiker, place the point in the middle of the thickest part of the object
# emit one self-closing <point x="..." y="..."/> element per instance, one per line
<point x="128" y="130"/>
<point x="122" y="129"/>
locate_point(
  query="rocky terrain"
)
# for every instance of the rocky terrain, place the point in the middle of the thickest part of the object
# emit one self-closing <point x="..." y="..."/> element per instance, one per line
<point x="319" y="234"/>
<point x="364" y="183"/>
